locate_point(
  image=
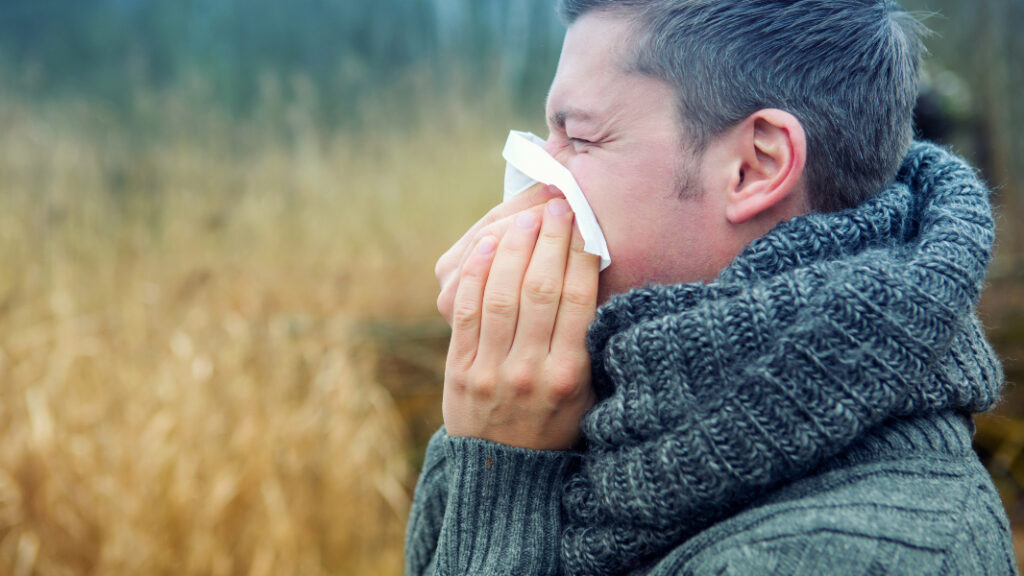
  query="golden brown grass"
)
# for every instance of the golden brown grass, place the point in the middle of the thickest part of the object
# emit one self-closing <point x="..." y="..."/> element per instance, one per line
<point x="183" y="384"/>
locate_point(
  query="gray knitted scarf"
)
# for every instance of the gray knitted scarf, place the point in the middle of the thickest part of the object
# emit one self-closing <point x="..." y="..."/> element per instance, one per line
<point x="712" y="394"/>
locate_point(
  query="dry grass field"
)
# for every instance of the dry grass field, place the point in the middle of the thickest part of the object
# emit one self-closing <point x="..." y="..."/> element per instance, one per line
<point x="218" y="347"/>
<point x="185" y="387"/>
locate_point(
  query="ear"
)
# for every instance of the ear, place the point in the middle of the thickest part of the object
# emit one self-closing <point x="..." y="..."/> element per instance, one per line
<point x="771" y="150"/>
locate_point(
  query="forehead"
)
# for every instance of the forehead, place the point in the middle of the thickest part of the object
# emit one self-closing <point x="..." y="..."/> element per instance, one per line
<point x="595" y="59"/>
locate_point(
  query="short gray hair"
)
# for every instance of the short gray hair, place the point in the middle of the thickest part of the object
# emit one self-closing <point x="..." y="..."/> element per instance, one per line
<point x="846" y="69"/>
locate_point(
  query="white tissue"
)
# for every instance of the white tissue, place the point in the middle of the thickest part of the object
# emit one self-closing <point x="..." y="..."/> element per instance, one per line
<point x="527" y="163"/>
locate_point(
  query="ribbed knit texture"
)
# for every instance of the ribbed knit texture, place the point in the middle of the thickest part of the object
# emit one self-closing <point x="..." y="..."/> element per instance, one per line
<point x="806" y="413"/>
<point x="821" y="330"/>
<point x="483" y="529"/>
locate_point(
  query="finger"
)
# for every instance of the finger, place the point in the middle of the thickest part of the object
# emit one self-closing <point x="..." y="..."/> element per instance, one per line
<point x="452" y="260"/>
<point x="542" y="286"/>
<point x="533" y="196"/>
<point x="498" y="220"/>
<point x="579" y="300"/>
<point x="468" y="305"/>
<point x="504" y="283"/>
<point x="446" y="298"/>
<point x="495" y="222"/>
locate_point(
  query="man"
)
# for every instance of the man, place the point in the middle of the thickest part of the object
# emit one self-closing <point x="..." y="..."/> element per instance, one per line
<point x="781" y="374"/>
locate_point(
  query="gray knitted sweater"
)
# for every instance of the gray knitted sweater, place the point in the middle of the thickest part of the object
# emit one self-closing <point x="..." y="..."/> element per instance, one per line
<point x="806" y="413"/>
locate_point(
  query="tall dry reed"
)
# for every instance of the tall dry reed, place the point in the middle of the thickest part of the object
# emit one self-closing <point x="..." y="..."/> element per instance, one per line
<point x="183" y="387"/>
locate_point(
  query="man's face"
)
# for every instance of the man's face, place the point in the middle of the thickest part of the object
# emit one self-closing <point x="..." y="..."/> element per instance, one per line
<point x="619" y="134"/>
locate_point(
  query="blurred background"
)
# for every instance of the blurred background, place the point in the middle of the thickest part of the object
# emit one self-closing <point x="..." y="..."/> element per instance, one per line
<point x="219" y="352"/>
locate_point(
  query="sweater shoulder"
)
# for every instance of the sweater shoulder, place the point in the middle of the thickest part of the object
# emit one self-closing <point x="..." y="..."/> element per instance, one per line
<point x="916" y="516"/>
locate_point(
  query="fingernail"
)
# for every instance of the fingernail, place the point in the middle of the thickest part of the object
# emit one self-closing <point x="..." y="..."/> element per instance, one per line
<point x="526" y="220"/>
<point x="558" y="207"/>
<point x="486" y="245"/>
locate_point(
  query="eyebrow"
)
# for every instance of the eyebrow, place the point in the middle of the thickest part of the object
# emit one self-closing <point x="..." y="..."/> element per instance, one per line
<point x="560" y="117"/>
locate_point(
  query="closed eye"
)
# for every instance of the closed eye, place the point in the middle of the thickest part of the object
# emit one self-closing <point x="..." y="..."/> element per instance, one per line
<point x="580" y="144"/>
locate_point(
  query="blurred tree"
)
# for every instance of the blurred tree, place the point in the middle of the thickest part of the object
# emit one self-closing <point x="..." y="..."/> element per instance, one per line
<point x="349" y="50"/>
<point x="975" y="74"/>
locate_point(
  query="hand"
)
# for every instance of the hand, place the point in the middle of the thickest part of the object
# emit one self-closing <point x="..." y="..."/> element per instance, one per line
<point x="518" y="371"/>
<point x="494" y="223"/>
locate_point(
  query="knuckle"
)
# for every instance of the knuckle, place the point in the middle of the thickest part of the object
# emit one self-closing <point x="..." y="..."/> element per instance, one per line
<point x="446" y="295"/>
<point x="565" y="386"/>
<point x="465" y="316"/>
<point x="501" y="305"/>
<point x="455" y="382"/>
<point x="482" y="385"/>
<point x="519" y="379"/>
<point x="566" y="380"/>
<point x="563" y="390"/>
<point x="467" y="272"/>
<point x="442" y="267"/>
<point x="541" y="290"/>
<point x="578" y="295"/>
<point x="444" y="305"/>
<point x="449" y="262"/>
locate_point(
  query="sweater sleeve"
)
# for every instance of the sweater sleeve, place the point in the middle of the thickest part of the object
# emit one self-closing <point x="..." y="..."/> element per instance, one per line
<point x="486" y="508"/>
<point x="428" y="506"/>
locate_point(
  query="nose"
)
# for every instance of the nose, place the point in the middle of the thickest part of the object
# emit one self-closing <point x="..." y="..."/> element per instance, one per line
<point x="549" y="146"/>
<point x="556" y="149"/>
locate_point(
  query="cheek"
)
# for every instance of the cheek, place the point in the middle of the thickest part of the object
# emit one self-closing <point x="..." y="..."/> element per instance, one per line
<point x="636" y="205"/>
<point x="626" y="196"/>
<point x="617" y="196"/>
<point x="628" y="230"/>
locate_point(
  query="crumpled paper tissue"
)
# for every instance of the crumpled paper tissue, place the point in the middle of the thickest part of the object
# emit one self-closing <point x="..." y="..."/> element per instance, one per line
<point x="527" y="163"/>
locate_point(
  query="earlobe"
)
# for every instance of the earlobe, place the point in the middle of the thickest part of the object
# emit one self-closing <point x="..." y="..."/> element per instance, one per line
<point x="772" y="150"/>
